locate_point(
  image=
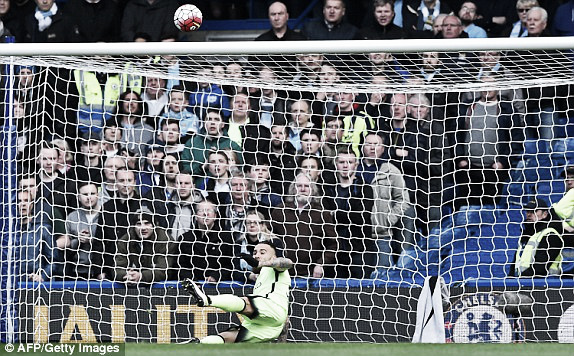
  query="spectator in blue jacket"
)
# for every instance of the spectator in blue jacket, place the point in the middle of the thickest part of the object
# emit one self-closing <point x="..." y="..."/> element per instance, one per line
<point x="564" y="20"/>
<point x="208" y="95"/>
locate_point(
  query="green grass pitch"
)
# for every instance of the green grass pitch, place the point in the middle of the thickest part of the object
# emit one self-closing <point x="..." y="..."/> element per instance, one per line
<point x="350" y="349"/>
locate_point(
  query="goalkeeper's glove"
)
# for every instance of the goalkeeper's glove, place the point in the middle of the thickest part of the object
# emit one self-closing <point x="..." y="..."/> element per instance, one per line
<point x="250" y="260"/>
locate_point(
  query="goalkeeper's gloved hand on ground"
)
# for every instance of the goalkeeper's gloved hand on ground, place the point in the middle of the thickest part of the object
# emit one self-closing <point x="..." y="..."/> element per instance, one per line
<point x="249" y="259"/>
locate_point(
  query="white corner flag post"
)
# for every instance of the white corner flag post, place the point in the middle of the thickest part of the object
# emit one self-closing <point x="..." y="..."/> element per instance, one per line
<point x="430" y="317"/>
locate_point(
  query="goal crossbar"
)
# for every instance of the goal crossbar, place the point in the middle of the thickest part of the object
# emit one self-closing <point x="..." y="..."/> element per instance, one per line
<point x="288" y="47"/>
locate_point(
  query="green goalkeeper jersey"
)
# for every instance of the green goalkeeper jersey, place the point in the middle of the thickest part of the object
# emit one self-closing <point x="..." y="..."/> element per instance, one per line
<point x="273" y="285"/>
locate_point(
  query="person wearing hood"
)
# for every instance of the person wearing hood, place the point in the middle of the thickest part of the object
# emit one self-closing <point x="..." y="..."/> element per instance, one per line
<point x="539" y="251"/>
<point x="142" y="253"/>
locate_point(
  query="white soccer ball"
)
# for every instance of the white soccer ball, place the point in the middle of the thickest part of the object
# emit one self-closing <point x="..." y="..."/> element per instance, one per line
<point x="187" y="18"/>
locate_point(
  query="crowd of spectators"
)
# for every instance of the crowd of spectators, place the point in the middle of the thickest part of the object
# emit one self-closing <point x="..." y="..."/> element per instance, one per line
<point x="143" y="179"/>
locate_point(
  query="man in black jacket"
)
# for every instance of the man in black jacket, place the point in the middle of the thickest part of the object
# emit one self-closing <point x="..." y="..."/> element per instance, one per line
<point x="278" y="17"/>
<point x="49" y="24"/>
<point x="351" y="200"/>
<point x="384" y="28"/>
<point x="332" y="26"/>
<point x="206" y="251"/>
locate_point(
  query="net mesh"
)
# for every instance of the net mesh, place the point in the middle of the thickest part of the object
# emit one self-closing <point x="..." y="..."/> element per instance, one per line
<point x="372" y="171"/>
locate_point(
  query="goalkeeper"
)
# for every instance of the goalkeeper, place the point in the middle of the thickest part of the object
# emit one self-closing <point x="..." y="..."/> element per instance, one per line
<point x="264" y="311"/>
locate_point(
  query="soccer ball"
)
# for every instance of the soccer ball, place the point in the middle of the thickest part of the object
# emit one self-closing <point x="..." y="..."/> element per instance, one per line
<point x="187" y="18"/>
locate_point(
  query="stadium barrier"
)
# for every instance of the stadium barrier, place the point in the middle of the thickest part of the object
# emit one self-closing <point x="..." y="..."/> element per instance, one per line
<point x="368" y="311"/>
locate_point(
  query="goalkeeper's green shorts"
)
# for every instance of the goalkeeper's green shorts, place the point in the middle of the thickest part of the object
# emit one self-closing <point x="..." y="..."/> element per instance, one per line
<point x="265" y="325"/>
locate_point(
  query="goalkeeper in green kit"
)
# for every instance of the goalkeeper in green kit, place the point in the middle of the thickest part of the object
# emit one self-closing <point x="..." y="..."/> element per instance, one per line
<point x="265" y="311"/>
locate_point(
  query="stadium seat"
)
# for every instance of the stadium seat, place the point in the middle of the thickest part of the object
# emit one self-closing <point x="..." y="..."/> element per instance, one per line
<point x="474" y="215"/>
<point x="560" y="124"/>
<point x="533" y="148"/>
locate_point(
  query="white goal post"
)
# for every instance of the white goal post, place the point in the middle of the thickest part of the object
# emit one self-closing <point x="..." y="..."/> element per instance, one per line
<point x="454" y="117"/>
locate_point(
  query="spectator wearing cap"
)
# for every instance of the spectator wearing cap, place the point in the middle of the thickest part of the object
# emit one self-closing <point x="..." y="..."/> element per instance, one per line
<point x="143" y="252"/>
<point x="539" y="252"/>
<point x="89" y="161"/>
<point x="151" y="174"/>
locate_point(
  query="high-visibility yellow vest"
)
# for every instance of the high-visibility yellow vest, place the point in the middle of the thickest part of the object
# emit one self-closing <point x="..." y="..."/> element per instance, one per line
<point x="354" y="132"/>
<point x="91" y="94"/>
<point x="525" y="255"/>
<point x="96" y="105"/>
<point x="131" y="80"/>
<point x="564" y="208"/>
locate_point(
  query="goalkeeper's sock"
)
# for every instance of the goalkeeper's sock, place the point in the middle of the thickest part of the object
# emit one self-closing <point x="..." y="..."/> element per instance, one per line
<point x="227" y="302"/>
<point x="212" y="339"/>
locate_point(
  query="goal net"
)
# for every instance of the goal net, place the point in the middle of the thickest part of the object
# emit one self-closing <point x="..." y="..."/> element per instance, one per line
<point x="373" y="165"/>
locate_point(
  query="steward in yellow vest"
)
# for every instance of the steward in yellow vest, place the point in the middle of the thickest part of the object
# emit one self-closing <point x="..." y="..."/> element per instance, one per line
<point x="539" y="252"/>
<point x="564" y="209"/>
<point x="98" y="94"/>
